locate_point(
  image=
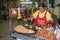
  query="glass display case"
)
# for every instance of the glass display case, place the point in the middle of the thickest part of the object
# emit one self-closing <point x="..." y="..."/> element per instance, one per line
<point x="13" y="20"/>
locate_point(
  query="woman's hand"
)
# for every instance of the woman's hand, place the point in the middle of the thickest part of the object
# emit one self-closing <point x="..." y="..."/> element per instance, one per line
<point x="24" y="19"/>
<point x="30" y="18"/>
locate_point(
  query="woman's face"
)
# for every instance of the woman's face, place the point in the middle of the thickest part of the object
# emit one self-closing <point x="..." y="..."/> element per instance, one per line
<point x="41" y="9"/>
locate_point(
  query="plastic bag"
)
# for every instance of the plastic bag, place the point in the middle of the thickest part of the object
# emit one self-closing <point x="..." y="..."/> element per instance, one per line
<point x="57" y="33"/>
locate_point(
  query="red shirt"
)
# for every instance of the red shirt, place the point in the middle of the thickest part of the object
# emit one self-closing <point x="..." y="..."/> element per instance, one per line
<point x="41" y="21"/>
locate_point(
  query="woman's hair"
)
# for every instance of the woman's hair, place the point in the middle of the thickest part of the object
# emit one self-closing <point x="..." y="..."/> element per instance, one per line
<point x="58" y="5"/>
<point x="42" y="5"/>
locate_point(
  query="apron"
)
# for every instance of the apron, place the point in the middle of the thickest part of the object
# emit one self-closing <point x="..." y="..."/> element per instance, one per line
<point x="40" y="21"/>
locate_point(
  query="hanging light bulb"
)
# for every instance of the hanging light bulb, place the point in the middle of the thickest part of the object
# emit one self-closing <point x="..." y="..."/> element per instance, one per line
<point x="14" y="12"/>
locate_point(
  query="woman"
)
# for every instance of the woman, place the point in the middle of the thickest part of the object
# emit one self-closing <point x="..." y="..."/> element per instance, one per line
<point x="42" y="16"/>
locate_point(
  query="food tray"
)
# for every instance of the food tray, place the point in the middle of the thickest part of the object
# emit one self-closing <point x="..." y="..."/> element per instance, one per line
<point x="22" y="31"/>
<point x="25" y="33"/>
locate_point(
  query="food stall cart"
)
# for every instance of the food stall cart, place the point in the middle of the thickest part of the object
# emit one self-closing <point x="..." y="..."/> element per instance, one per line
<point x="17" y="35"/>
